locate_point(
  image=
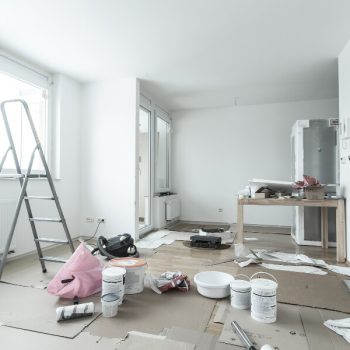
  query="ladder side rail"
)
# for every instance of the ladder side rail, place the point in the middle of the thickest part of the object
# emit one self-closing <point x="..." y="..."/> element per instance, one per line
<point x="10" y="138"/>
<point x="3" y="160"/>
<point x="15" y="218"/>
<point x="48" y="174"/>
<point x="19" y="171"/>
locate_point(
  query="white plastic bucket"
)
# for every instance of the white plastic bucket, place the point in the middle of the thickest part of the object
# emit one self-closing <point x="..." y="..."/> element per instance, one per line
<point x="264" y="298"/>
<point x="113" y="281"/>
<point x="240" y="293"/>
<point x="135" y="273"/>
<point x="109" y="304"/>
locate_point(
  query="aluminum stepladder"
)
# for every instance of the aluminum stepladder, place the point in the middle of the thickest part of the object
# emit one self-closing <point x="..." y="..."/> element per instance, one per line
<point x="24" y="178"/>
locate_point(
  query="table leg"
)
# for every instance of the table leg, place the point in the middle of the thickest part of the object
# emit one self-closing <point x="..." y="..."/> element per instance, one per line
<point x="239" y="223"/>
<point x="340" y="228"/>
<point x="324" y="227"/>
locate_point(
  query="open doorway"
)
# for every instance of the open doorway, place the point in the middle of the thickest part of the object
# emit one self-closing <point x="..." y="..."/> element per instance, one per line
<point x="144" y="170"/>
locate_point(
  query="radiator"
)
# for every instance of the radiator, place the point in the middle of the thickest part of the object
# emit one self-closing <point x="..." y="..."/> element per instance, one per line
<point x="166" y="208"/>
<point x="7" y="211"/>
<point x="172" y="208"/>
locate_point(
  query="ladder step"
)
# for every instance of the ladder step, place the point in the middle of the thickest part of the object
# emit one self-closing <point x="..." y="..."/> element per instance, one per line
<point x="37" y="176"/>
<point x="51" y="240"/>
<point x="11" y="176"/>
<point x="53" y="259"/>
<point x="40" y="197"/>
<point x="46" y="219"/>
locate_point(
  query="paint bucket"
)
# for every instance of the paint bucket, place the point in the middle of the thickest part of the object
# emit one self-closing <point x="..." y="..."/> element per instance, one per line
<point x="240" y="293"/>
<point x="264" y="298"/>
<point x="113" y="281"/>
<point x="110" y="303"/>
<point x="135" y="273"/>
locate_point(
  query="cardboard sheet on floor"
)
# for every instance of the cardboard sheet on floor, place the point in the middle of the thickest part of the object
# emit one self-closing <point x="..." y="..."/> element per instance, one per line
<point x="34" y="309"/>
<point x="14" y="339"/>
<point x="203" y="341"/>
<point x="305" y="322"/>
<point x="287" y="333"/>
<point x="137" y="341"/>
<point x="324" y="292"/>
<point x="27" y="270"/>
<point x="149" y="312"/>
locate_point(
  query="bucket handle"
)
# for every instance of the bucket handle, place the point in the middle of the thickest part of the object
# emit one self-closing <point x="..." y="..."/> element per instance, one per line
<point x="241" y="274"/>
<point x="263" y="273"/>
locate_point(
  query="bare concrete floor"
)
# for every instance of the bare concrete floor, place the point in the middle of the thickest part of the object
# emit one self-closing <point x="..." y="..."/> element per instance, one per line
<point x="33" y="326"/>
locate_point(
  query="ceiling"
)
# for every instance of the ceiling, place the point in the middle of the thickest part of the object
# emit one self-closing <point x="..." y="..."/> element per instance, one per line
<point x="188" y="53"/>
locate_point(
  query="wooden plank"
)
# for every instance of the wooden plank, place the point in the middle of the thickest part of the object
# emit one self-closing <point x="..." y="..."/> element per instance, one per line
<point x="340" y="229"/>
<point x="240" y="226"/>
<point x="324" y="227"/>
<point x="290" y="202"/>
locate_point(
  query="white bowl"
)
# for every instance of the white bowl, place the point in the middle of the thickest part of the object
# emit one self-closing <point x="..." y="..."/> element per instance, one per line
<point x="213" y="284"/>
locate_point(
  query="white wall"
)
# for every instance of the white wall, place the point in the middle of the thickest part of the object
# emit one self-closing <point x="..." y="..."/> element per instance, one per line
<point x="67" y="146"/>
<point x="108" y="162"/>
<point x="216" y="151"/>
<point x="344" y="113"/>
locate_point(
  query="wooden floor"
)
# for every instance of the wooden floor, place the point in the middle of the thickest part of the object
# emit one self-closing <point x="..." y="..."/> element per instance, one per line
<point x="173" y="257"/>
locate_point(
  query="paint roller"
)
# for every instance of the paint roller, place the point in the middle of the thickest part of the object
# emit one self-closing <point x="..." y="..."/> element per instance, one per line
<point x="74" y="311"/>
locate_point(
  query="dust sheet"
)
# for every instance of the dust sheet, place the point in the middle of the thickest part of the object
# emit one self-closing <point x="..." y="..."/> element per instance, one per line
<point x="34" y="309"/>
<point x="150" y="312"/>
<point x="287" y="333"/>
<point x="324" y="292"/>
<point x="138" y="340"/>
<point x="14" y="339"/>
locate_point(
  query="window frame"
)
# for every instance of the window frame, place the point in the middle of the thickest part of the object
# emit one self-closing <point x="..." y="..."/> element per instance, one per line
<point x="23" y="71"/>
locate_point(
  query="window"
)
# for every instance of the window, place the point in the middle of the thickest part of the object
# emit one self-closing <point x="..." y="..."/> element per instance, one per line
<point x="13" y="86"/>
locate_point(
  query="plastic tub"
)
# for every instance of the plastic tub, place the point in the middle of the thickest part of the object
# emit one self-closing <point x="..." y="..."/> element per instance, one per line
<point x="135" y="273"/>
<point x="113" y="281"/>
<point x="213" y="284"/>
<point x="110" y="304"/>
<point x="240" y="292"/>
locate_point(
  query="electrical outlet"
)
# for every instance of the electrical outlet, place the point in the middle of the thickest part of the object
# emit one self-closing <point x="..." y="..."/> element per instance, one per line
<point x="90" y="220"/>
<point x="101" y="220"/>
<point x="220" y="210"/>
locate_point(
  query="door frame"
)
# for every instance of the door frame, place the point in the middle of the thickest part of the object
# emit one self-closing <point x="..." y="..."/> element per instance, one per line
<point x="145" y="104"/>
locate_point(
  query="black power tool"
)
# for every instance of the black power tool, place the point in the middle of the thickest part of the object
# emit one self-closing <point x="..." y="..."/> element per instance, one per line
<point x="116" y="247"/>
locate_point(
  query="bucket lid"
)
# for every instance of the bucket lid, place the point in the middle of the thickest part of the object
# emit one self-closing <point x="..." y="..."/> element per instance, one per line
<point x="240" y="285"/>
<point x="113" y="271"/>
<point x="109" y="297"/>
<point x="127" y="262"/>
<point x="263" y="283"/>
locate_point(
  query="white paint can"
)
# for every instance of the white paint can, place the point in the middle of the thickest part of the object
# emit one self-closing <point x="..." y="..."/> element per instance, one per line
<point x="264" y="298"/>
<point x="109" y="304"/>
<point x="240" y="292"/>
<point x="113" y="281"/>
<point x="135" y="273"/>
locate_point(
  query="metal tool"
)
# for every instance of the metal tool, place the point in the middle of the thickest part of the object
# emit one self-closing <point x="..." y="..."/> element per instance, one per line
<point x="243" y="336"/>
<point x="24" y="178"/>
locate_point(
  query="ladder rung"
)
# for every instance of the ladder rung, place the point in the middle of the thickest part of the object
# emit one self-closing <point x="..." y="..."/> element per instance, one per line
<point x="53" y="259"/>
<point x="39" y="197"/>
<point x="46" y="219"/>
<point x="37" y="176"/>
<point x="51" y="240"/>
<point x="11" y="176"/>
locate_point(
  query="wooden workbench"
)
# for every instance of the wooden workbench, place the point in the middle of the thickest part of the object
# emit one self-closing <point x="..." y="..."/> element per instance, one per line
<point x="324" y="204"/>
